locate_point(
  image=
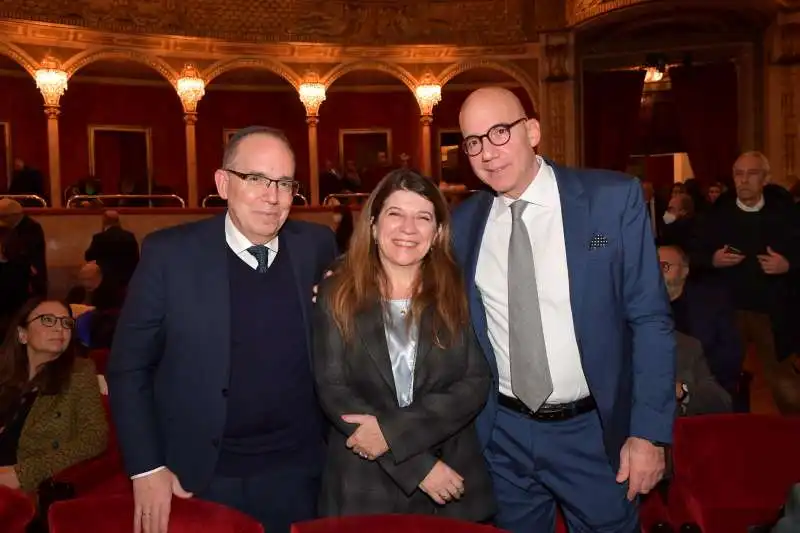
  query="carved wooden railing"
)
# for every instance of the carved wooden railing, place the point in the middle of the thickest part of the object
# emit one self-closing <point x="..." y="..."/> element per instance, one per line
<point x="23" y="197"/>
<point x="97" y="200"/>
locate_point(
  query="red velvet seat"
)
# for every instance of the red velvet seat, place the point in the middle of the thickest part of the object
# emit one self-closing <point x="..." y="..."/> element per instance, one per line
<point x="733" y="471"/>
<point x="16" y="510"/>
<point x="100" y="359"/>
<point x="390" y="524"/>
<point x="115" y="513"/>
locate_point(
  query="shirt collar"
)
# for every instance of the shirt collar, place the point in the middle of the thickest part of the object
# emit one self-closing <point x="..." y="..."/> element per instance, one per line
<point x="751" y="209"/>
<point x="540" y="191"/>
<point x="238" y="242"/>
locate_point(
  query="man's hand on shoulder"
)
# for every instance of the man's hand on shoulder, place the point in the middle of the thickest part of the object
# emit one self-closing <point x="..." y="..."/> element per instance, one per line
<point x="315" y="290"/>
<point x="641" y="464"/>
<point x="152" y="496"/>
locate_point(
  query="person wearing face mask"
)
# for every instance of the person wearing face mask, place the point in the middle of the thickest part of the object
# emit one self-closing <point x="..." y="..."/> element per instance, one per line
<point x="210" y="373"/>
<point x="568" y="303"/>
<point x="398" y="370"/>
<point x="679" y="223"/>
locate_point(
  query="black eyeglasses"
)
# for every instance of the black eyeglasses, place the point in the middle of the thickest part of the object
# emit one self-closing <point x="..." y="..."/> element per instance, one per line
<point x="283" y="185"/>
<point x="67" y="322"/>
<point x="498" y="135"/>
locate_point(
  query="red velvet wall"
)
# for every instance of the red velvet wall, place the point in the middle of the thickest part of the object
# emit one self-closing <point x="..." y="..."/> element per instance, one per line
<point x="222" y="110"/>
<point x="158" y="108"/>
<point x="22" y="106"/>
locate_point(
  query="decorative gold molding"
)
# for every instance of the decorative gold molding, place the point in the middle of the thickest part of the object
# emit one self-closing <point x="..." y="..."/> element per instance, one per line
<point x="276" y="67"/>
<point x="77" y="62"/>
<point x="389" y="68"/>
<point x="19" y="56"/>
<point x="148" y="136"/>
<point x="579" y="11"/>
<point x="506" y="67"/>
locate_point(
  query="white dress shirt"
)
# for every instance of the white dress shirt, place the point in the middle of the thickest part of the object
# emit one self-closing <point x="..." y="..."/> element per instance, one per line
<point x="239" y="244"/>
<point x="543" y="219"/>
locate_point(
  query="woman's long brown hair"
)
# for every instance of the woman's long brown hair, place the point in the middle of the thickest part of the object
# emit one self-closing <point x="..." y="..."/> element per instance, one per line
<point x="14" y="369"/>
<point x="360" y="282"/>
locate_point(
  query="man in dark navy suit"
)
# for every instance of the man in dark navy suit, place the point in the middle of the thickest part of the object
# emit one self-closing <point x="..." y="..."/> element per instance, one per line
<point x="210" y="372"/>
<point x="567" y="301"/>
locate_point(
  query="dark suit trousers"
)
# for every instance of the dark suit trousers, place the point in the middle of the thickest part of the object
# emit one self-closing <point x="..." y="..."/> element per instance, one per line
<point x="536" y="465"/>
<point x="278" y="497"/>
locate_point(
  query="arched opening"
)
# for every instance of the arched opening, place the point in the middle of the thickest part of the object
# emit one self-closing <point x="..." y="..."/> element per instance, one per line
<point x="450" y="163"/>
<point x="369" y="125"/>
<point x="672" y="112"/>
<point x="246" y="96"/>
<point x="23" y="129"/>
<point x="121" y="130"/>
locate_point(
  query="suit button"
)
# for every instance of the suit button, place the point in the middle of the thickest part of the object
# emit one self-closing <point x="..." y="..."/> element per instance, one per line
<point x="58" y="414"/>
<point x="215" y="443"/>
<point x="55" y="444"/>
<point x="224" y="393"/>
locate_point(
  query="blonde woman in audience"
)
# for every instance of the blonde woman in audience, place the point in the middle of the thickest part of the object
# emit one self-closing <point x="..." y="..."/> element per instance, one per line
<point x="51" y="412"/>
<point x="398" y="370"/>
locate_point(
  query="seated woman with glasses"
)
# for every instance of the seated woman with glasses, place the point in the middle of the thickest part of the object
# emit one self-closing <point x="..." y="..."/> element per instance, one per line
<point x="51" y="412"/>
<point x="398" y="369"/>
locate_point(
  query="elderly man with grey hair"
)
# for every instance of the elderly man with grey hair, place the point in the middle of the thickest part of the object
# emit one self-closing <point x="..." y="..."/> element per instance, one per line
<point x="25" y="240"/>
<point x="751" y="244"/>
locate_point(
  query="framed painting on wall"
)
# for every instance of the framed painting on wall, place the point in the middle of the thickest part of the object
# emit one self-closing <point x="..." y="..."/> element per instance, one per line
<point x="121" y="158"/>
<point x="363" y="146"/>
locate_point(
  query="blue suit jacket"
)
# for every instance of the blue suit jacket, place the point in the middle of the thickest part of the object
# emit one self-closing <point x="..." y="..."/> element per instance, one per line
<point x="169" y="365"/>
<point x="620" y="308"/>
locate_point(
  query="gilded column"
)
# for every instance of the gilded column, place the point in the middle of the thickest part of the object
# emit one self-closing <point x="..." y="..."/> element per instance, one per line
<point x="190" y="119"/>
<point x="557" y="98"/>
<point x="191" y="88"/>
<point x="426" y="167"/>
<point x="313" y="158"/>
<point x="782" y="95"/>
<point x="51" y="80"/>
<point x="428" y="93"/>
<point x="312" y="94"/>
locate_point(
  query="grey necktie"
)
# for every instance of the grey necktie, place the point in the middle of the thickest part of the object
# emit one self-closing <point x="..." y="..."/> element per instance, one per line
<point x="261" y="253"/>
<point x="530" y="373"/>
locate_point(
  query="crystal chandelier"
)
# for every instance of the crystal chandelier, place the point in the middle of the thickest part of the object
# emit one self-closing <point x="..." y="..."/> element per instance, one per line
<point x="312" y="94"/>
<point x="428" y="93"/>
<point x="191" y="88"/>
<point x="51" y="80"/>
<point x="653" y="75"/>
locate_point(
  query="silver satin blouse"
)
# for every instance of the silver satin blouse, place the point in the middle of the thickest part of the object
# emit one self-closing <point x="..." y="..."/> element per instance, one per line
<point x="402" y="341"/>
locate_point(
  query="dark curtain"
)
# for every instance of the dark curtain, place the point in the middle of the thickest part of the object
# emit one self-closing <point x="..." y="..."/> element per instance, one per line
<point x="706" y="103"/>
<point x="107" y="160"/>
<point x="611" y="103"/>
<point x="4" y="162"/>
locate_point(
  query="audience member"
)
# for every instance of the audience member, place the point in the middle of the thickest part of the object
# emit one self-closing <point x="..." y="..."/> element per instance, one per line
<point x="26" y="242"/>
<point x="51" y="413"/>
<point x="115" y="250"/>
<point x="696" y="389"/>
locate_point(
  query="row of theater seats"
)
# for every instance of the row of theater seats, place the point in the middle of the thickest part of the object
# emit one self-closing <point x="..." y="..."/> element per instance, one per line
<point x="729" y="472"/>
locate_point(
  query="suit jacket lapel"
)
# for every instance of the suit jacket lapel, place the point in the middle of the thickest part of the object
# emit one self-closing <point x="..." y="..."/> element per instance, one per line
<point x="299" y="255"/>
<point x="575" y="215"/>
<point x="213" y="289"/>
<point x="370" y="328"/>
<point x="424" y="345"/>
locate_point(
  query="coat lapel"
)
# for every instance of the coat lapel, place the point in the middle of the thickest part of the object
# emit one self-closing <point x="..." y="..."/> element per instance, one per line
<point x="213" y="286"/>
<point x="299" y="255"/>
<point x="370" y="329"/>
<point x="575" y="215"/>
<point x="424" y="345"/>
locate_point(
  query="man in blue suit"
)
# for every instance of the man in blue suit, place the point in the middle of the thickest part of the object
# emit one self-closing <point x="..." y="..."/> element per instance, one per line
<point x="569" y="306"/>
<point x="210" y="373"/>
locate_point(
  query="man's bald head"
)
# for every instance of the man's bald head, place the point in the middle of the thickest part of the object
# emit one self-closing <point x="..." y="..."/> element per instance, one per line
<point x="494" y="119"/>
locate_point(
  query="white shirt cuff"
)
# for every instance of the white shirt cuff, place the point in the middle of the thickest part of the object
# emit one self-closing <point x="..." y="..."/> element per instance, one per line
<point x="145" y="474"/>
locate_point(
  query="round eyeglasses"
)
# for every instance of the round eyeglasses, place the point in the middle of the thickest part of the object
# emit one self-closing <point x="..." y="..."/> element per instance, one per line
<point x="67" y="322"/>
<point x="498" y="135"/>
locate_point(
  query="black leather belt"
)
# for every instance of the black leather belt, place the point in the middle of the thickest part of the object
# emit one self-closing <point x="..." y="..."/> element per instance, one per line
<point x="550" y="412"/>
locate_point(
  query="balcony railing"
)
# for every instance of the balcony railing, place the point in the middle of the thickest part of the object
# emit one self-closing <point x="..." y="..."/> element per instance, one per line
<point x="98" y="199"/>
<point x="23" y="197"/>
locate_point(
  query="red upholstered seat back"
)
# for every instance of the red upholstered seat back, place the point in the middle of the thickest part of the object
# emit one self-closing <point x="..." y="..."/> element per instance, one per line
<point x="390" y="524"/>
<point x="744" y="458"/>
<point x="16" y="510"/>
<point x="115" y="513"/>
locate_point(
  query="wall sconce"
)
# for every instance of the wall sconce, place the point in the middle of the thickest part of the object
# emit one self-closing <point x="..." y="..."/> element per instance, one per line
<point x="51" y="80"/>
<point x="428" y="93"/>
<point x="191" y="88"/>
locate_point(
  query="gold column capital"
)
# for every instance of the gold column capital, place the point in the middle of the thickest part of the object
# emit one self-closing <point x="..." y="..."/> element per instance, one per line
<point x="190" y="118"/>
<point x="52" y="111"/>
<point x="426" y="120"/>
<point x="312" y="120"/>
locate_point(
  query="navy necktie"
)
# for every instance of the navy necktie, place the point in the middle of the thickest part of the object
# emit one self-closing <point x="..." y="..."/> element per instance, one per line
<point x="261" y="253"/>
